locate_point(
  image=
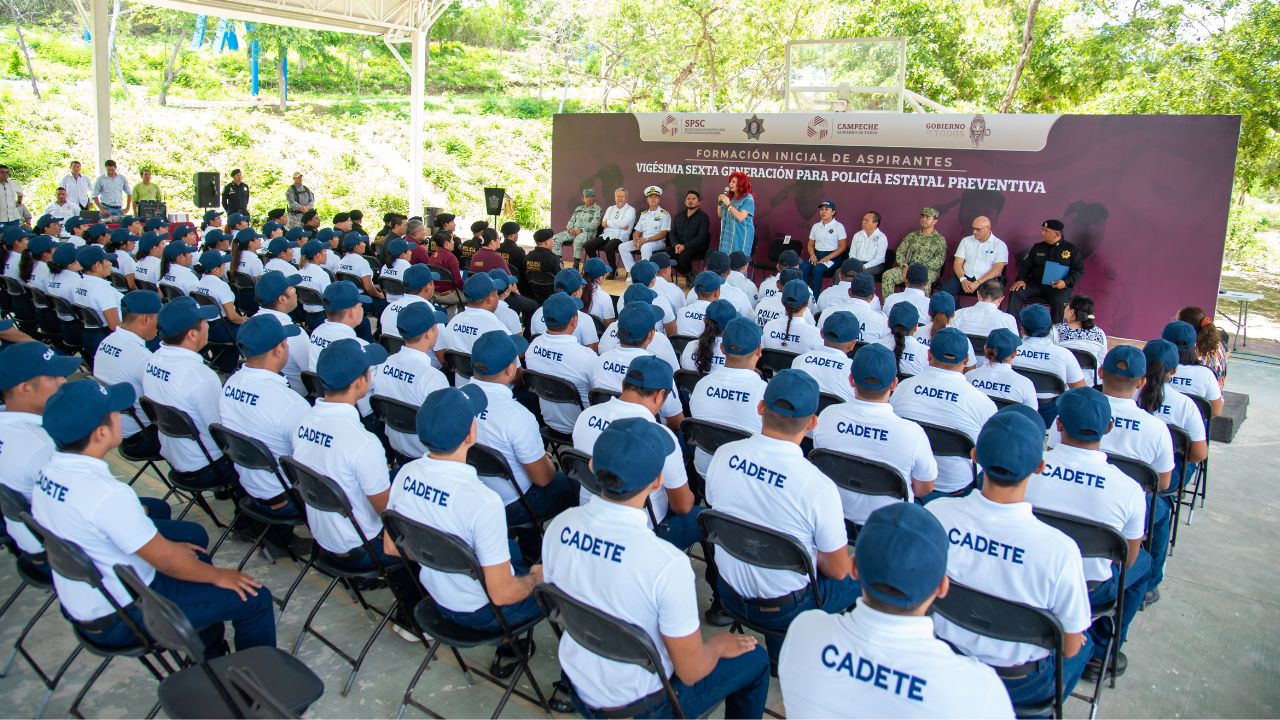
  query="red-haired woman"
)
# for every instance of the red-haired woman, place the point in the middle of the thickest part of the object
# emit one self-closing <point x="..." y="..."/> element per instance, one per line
<point x="737" y="212"/>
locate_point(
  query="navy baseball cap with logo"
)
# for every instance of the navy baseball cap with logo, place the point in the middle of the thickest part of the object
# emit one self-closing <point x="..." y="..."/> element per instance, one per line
<point x="638" y="293"/>
<point x="261" y="333"/>
<point x="64" y="254"/>
<point x="738" y="260"/>
<point x="25" y="360"/>
<point x="155" y="223"/>
<point x="344" y="361"/>
<point x="273" y="284"/>
<point x="271" y="226"/>
<point x="874" y="367"/>
<point x="1035" y="320"/>
<point x="795" y="294"/>
<point x="417" y="277"/>
<point x="210" y="259"/>
<point x="91" y="255"/>
<point x="942" y="302"/>
<point x="741" y="336"/>
<point x="247" y="235"/>
<point x="721" y="313"/>
<point x="141" y="302"/>
<point x="313" y="248"/>
<point x="629" y="455"/>
<point x="636" y="320"/>
<point x="279" y="245"/>
<point x="215" y="237"/>
<point x="397" y="247"/>
<point x="707" y="282"/>
<point x="904" y="315"/>
<point x="852" y="267"/>
<point x="73" y="222"/>
<point x="649" y="372"/>
<point x="502" y="279"/>
<point x="569" y="280"/>
<point x="211" y="214"/>
<point x="1085" y="414"/>
<point x="122" y="236"/>
<point x="1125" y="361"/>
<point x="917" y="274"/>
<point x="300" y="233"/>
<point x="842" y="327"/>
<point x="902" y="556"/>
<point x="445" y="417"/>
<point x="643" y="272"/>
<point x="792" y="393"/>
<point x="559" y="309"/>
<point x="1010" y="447"/>
<point x="1163" y="352"/>
<point x="717" y="262"/>
<point x="664" y="261"/>
<point x="788" y="275"/>
<point x="353" y="239"/>
<point x="45" y="221"/>
<point x="1001" y="341"/>
<point x="417" y="318"/>
<point x="1180" y="333"/>
<point x="595" y="268"/>
<point x="478" y="287"/>
<point x="127" y="220"/>
<point x="862" y="285"/>
<point x="342" y="295"/>
<point x="96" y="231"/>
<point x="181" y="314"/>
<point x="13" y="234"/>
<point x="950" y="346"/>
<point x="78" y="408"/>
<point x="495" y="350"/>
<point x="148" y="242"/>
<point x="39" y="245"/>
<point x="182" y="231"/>
<point x="236" y="218"/>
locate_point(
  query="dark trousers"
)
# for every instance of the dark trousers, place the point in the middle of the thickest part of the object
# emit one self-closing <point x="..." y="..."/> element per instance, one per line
<point x="515" y="614"/>
<point x="402" y="583"/>
<point x="1161" y="530"/>
<point x="546" y="502"/>
<point x="742" y="683"/>
<point x="523" y="305"/>
<point x="1037" y="294"/>
<point x="837" y="596"/>
<point x="687" y="257"/>
<point x="952" y="285"/>
<point x="608" y="245"/>
<point x="221" y="473"/>
<point x="222" y="334"/>
<point x="1135" y="586"/>
<point x="143" y="444"/>
<point x="816" y="273"/>
<point x="1037" y="686"/>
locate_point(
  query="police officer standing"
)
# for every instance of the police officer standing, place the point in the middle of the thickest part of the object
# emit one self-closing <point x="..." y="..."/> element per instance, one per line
<point x="1051" y="271"/>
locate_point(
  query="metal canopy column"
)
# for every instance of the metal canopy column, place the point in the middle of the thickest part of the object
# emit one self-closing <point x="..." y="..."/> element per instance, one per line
<point x="100" y="32"/>
<point x="417" y="113"/>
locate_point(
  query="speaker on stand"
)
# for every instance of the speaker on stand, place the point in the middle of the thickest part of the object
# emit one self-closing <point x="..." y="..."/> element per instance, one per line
<point x="208" y="190"/>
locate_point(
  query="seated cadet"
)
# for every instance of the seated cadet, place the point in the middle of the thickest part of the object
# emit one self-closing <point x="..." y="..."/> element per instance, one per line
<point x="122" y="357"/>
<point x="557" y="353"/>
<point x="570" y="282"/>
<point x="738" y="261"/>
<point x="996" y="378"/>
<point x="793" y="332"/>
<point x="30" y="372"/>
<point x="212" y="267"/>
<point x="80" y="501"/>
<point x="941" y="396"/>
<point x="1038" y="352"/>
<point x="912" y="355"/>
<point x="765" y="479"/>
<point x="660" y="345"/>
<point x="648" y="583"/>
<point x="505" y="284"/>
<point x="867" y="427"/>
<point x="838" y="293"/>
<point x="419" y="285"/>
<point x="408" y="375"/>
<point x="985" y="315"/>
<point x="442" y="491"/>
<point x="1077" y="480"/>
<point x="477" y="319"/>
<point x="942" y="311"/>
<point x="689" y="319"/>
<point x="704" y="354"/>
<point x="176" y="376"/>
<point x="917" y="283"/>
<point x="718" y="263"/>
<point x="881" y="659"/>
<point x="278" y="298"/>
<point x="510" y="429"/>
<point x="96" y="292"/>
<point x="635" y="331"/>
<point x="999" y="547"/>
<point x="772" y="285"/>
<point x="353" y="262"/>
<point x="311" y="266"/>
<point x="595" y="300"/>
<point x="770" y="308"/>
<point x="1193" y="376"/>
<point x="344" y="314"/>
<point x="664" y="284"/>
<point x="829" y="365"/>
<point x="875" y="326"/>
<point x="397" y="261"/>
<point x="280" y="254"/>
<point x="644" y="273"/>
<point x="731" y="392"/>
<point x="257" y="402"/>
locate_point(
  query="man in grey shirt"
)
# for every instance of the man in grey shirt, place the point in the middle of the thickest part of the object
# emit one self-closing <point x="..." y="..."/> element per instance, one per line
<point x="300" y="199"/>
<point x="112" y="192"/>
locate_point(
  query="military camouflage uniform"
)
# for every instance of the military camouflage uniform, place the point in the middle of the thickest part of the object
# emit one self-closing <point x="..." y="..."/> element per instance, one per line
<point x="931" y="250"/>
<point x="586" y="219"/>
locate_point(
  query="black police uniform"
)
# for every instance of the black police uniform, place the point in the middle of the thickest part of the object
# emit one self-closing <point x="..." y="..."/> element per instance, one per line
<point x="1031" y="272"/>
<point x="235" y="198"/>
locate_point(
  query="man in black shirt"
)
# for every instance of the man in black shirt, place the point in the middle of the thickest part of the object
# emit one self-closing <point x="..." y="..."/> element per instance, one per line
<point x="1065" y="271"/>
<point x="542" y="258"/>
<point x="513" y="253"/>
<point x="235" y="195"/>
<point x="690" y="233"/>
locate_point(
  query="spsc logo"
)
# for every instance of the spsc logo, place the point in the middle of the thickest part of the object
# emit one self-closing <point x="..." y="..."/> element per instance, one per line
<point x="818" y="128"/>
<point x="754" y="127"/>
<point x="978" y="130"/>
<point x="670" y="126"/>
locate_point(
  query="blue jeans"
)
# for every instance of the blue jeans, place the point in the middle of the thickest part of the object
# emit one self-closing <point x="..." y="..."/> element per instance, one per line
<point x="113" y="210"/>
<point x="515" y="614"/>
<point x="1135" y="585"/>
<point x="742" y="683"/>
<point x="837" y="596"/>
<point x="547" y="502"/>
<point x="815" y="273"/>
<point x="1037" y="687"/>
<point x="1161" y="530"/>
<point x="680" y="530"/>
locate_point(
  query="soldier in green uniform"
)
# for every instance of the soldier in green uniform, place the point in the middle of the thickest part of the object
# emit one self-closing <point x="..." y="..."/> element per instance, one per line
<point x="584" y="223"/>
<point x="926" y="246"/>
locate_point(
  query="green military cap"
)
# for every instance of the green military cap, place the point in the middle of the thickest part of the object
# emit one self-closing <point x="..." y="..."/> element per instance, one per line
<point x="931" y="212"/>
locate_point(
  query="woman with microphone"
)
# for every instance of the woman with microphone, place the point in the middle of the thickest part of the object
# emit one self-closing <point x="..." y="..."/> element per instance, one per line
<point x="737" y="226"/>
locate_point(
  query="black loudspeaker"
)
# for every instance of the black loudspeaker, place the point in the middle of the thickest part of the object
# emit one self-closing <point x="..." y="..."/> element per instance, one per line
<point x="207" y="190"/>
<point x="493" y="198"/>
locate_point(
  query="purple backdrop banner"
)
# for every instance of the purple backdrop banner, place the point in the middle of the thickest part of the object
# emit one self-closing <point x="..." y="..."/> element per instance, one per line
<point x="1144" y="196"/>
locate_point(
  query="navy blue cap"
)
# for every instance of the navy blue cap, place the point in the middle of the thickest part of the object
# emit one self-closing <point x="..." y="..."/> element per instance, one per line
<point x="64" y="254"/>
<point x="950" y="346"/>
<point x="1035" y="320"/>
<point x="707" y="282"/>
<point x="313" y="248"/>
<point x="721" y="313"/>
<point x="717" y="262"/>
<point x="852" y="267"/>
<point x="638" y="293"/>
<point x="279" y="245"/>
<point x="181" y="314"/>
<point x="73" y="222"/>
<point x="643" y="272"/>
<point x="215" y="237"/>
<point x="271" y="226"/>
<point x="417" y="277"/>
<point x="792" y="393"/>
<point x="636" y="320"/>
<point x="478" y="287"/>
<point x="447" y="414"/>
<point x="6" y="325"/>
<point x="342" y="362"/>
<point x="155" y="223"/>
<point x="342" y="295"/>
<point x="96" y="230"/>
<point x="300" y="233"/>
<point x="211" y="214"/>
<point x="501" y="279"/>
<point x="91" y="255"/>
<point x="1125" y="361"/>
<point x="903" y="559"/>
<point x="1010" y="447"/>
<point x="122" y="236"/>
<point x="248" y="235"/>
<point x="127" y="220"/>
<point x="738" y="259"/>
<point x="559" y="309"/>
<point x="397" y="247"/>
<point x="741" y="336"/>
<point x="261" y="333"/>
<point x="416" y="318"/>
<point x="663" y="260"/>
<point x="1163" y="352"/>
<point x="1033" y="415"/>
<point x="1002" y="342"/>
<point x="273" y="284"/>
<point x="874" y="367"/>
<point x="13" y="234"/>
<point x="1181" y="334"/>
<point x="789" y="259"/>
<point x="148" y="242"/>
<point x="569" y="280"/>
<point x="141" y="302"/>
<point x="1085" y="414"/>
<point x="629" y="455"/>
<point x="352" y="239"/>
<point x="182" y="231"/>
<point x="862" y="285"/>
<point x="842" y="327"/>
<point x="904" y="315"/>
<point x="39" y="245"/>
<point x="25" y="360"/>
<point x="917" y="273"/>
<point x="236" y="218"/>
<point x="595" y="268"/>
<point x="45" y="221"/>
<point x="795" y="294"/>
<point x="78" y="408"/>
<point x="942" y="302"/>
<point x="495" y="350"/>
<point x="649" y="372"/>
<point x="788" y="275"/>
<point x="210" y="259"/>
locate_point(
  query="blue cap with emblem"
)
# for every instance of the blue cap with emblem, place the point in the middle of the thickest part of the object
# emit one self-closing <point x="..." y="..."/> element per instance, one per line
<point x="717" y="262"/>
<point x="1085" y="414"/>
<point x="182" y="231"/>
<point x="1163" y="352"/>
<point x="1035" y="320"/>
<point x="841" y="327"/>
<point x="211" y="214"/>
<point x="904" y="315"/>
<point x="789" y="275"/>
<point x="261" y="333"/>
<point x="663" y="260"/>
<point x="96" y="231"/>
<point x="917" y="274"/>
<point x="852" y="267"/>
<point x="741" y="336"/>
<point x="707" y="282"/>
<point x="629" y="455"/>
<point x="478" y="287"/>
<point x="155" y="223"/>
<point x="417" y="277"/>
<point x="942" y="302"/>
<point x="342" y="295"/>
<point x="1125" y="361"/>
<point x="148" y="242"/>
<point x="1001" y="342"/>
<point x="353" y="239"/>
<point x="210" y="259"/>
<point x="446" y="416"/>
<point x="1009" y="448"/>
<point x="279" y="245"/>
<point x="417" y="318"/>
<point x="271" y="226"/>
<point x="64" y="254"/>
<point x="215" y="237"/>
<point x="1180" y="333"/>
<point x="649" y="372"/>
<point x="13" y="234"/>
<point x="502" y="279"/>
<point x="39" y="245"/>
<point x="569" y="280"/>
<point x="397" y="247"/>
<point x="236" y="218"/>
<point x="342" y="362"/>
<point x="78" y="408"/>
<point x="560" y="309"/>
<point x="181" y="314"/>
<point x="950" y="346"/>
<point x="643" y="272"/>
<point x="595" y="268"/>
<point x="862" y="285"/>
<point x="638" y="293"/>
<point x="122" y="236"/>
<point x="795" y="294"/>
<point x="637" y="320"/>
<point x="313" y="248"/>
<point x="141" y="302"/>
<point x="273" y="284"/>
<point x="25" y="360"/>
<point x="721" y="313"/>
<point x="792" y="393"/>
<point x="902" y="556"/>
<point x="874" y="367"/>
<point x="73" y="222"/>
<point x="495" y="351"/>
<point x="300" y="233"/>
<point x="91" y="255"/>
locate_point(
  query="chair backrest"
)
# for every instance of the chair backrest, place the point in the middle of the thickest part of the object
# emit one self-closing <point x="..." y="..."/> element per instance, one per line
<point x="146" y="285"/>
<point x="243" y="282"/>
<point x="317" y="491"/>
<point x="1088" y="361"/>
<point x="119" y="282"/>
<point x="397" y="414"/>
<point x="687" y="380"/>
<point x="1094" y="539"/>
<point x="826" y="400"/>
<point x="599" y="323"/>
<point x="860" y="475"/>
<point x="708" y="436"/>
<point x="597" y="631"/>
<point x="947" y="442"/>
<point x="577" y="465"/>
<point x="170" y="292"/>
<point x="391" y="286"/>
<point x="1146" y="476"/>
<point x="773" y="360"/>
<point x="1181" y="441"/>
<point x="348" y="277"/>
<point x="309" y="296"/>
<point x="312" y="382"/>
<point x="251" y="697"/>
<point x="542" y="285"/>
<point x="165" y="622"/>
<point x="391" y="343"/>
<point x="63" y="306"/>
<point x="489" y="462"/>
<point x="40" y="299"/>
<point x="551" y="388"/>
<point x="1206" y="410"/>
<point x="1002" y="403"/>
<point x="88" y="318"/>
<point x="679" y="342"/>
<point x="12" y="504"/>
<point x="432" y="548"/>
<point x="979" y="344"/>
<point x="172" y="422"/>
<point x="596" y="396"/>
<point x="757" y="545"/>
<point x="458" y="362"/>
<point x="245" y="451"/>
<point x="13" y="286"/>
<point x="1044" y="382"/>
<point x="203" y="298"/>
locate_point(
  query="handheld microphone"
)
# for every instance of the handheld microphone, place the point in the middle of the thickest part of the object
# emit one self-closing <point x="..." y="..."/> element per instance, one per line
<point x="726" y="190"/>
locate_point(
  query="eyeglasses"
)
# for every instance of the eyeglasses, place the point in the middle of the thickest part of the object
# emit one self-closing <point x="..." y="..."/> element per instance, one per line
<point x="976" y="229"/>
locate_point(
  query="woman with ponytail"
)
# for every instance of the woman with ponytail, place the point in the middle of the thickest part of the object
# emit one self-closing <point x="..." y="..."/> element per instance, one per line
<point x="705" y="354"/>
<point x="912" y="355"/>
<point x="942" y="309"/>
<point x="34" y="268"/>
<point x="150" y="249"/>
<point x="1211" y="342"/>
<point x="1192" y="376"/>
<point x="123" y="243"/>
<point x="793" y="332"/>
<point x="595" y="301"/>
<point x="1079" y="331"/>
<point x="711" y="399"/>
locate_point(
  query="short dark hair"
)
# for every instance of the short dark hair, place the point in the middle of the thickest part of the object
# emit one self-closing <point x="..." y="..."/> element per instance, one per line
<point x="694" y="193"/>
<point x="642" y="392"/>
<point x="175" y="339"/>
<point x="488" y="235"/>
<point x="109" y="163"/>
<point x="130" y="317"/>
<point x="784" y="424"/>
<point x="356" y="215"/>
<point x="79" y="446"/>
<point x="440" y="237"/>
<point x="874" y="214"/>
<point x="992" y="288"/>
<point x="479" y="225"/>
<point x="1119" y="382"/>
<point x="4" y="167"/>
<point x="335" y="315"/>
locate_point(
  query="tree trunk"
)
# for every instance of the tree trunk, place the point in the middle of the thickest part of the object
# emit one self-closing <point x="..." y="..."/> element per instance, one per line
<point x="360" y="70"/>
<point x="171" y="67"/>
<point x="1027" y="38"/>
<point x="26" y="53"/>
<point x="564" y="92"/>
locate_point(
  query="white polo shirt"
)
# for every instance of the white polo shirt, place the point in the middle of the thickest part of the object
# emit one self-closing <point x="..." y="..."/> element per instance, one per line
<point x="873" y="431"/>
<point x="281" y="266"/>
<point x="870" y="249"/>
<point x="739" y="299"/>
<point x="332" y="442"/>
<point x="875" y="325"/>
<point x="314" y="277"/>
<point x="915" y="296"/>
<point x="218" y="289"/>
<point x="259" y="403"/>
<point x="510" y="318"/>
<point x="407" y="376"/>
<point x="395" y="271"/>
<point x="1197" y="380"/>
<point x="743" y="283"/>
<point x="605" y="555"/>
<point x="830" y="368"/>
<point x="465" y="328"/>
<point x="1135" y="434"/>
<point x="250" y="264"/>
<point x="692" y="318"/>
<point x="299" y="351"/>
<point x="602" y="304"/>
<point x="596" y="418"/>
<point x="670" y="291"/>
<point x="1081" y="483"/>
<point x="1178" y="410"/>
<point x="620" y="222"/>
<point x="325" y="335"/>
<point x="837" y="294"/>
<point x="1003" y="550"/>
<point x="924" y="336"/>
<point x="40" y="276"/>
<point x="768" y="482"/>
<point x="867" y="663"/>
<point x="998" y="380"/>
<point x="78" y="499"/>
<point x="612" y="367"/>
<point x="943" y="397"/>
<point x="660" y="345"/>
<point x="178" y="377"/>
<point x="768" y="288"/>
<point x="915" y="356"/>
<point x="122" y="357"/>
<point x="125" y="263"/>
<point x="770" y="309"/>
<point x="25" y="448"/>
<point x="561" y="356"/>
<point x="717" y="355"/>
<point x="509" y="428"/>
<point x="1039" y="353"/>
<point x="449" y="497"/>
<point x="354" y="264"/>
<point x="387" y="321"/>
<point x="727" y="396"/>
<point x="826" y="237"/>
<point x="98" y="295"/>
<point x="981" y="318"/>
<point x="63" y="285"/>
<point x="800" y="336"/>
<point x="148" y="268"/>
<point x="585" y="332"/>
<point x="181" y="277"/>
<point x="980" y="257"/>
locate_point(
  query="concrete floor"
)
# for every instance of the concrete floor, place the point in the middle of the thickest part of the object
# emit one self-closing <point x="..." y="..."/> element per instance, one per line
<point x="1210" y="648"/>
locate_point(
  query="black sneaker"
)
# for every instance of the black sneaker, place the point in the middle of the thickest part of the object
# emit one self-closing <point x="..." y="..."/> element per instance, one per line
<point x="1151" y="598"/>
<point x="716" y="615"/>
<point x="1094" y="667"/>
<point x="505" y="660"/>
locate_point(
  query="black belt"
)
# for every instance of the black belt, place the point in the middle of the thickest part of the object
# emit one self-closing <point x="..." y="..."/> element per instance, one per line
<point x="653" y="701"/>
<point x="1014" y="672"/>
<point x="777" y="603"/>
<point x="103" y="623"/>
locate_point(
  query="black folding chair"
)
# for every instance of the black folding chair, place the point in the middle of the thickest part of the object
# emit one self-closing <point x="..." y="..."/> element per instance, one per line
<point x="772" y="360"/>
<point x="309" y="296"/>
<point x="607" y="636"/>
<point x="599" y="396"/>
<point x="348" y="277"/>
<point x="47" y="321"/>
<point x="20" y="303"/>
<point x="708" y="436"/>
<point x="391" y="343"/>
<point x="459" y="363"/>
<point x="1088" y="363"/>
<point x="178" y="424"/>
<point x="200" y="690"/>
<point x="390" y="286"/>
<point x="552" y="389"/>
<point x="1201" y="486"/>
<point x="120" y="282"/>
<point x="1148" y="479"/>
<point x="680" y="342"/>
<point x="170" y="292"/>
<point x="71" y="328"/>
<point x="146" y="285"/>
<point x="445" y="553"/>
<point x="826" y="400"/>
<point x="1002" y="403"/>
<point x="1044" y="382"/>
<point x="861" y="476"/>
<point x="212" y="347"/>
<point x="542" y="285"/>
<point x="979" y="343"/>
<point x="949" y="442"/>
<point x="313" y="384"/>
<point x="1177" y="490"/>
<point x="576" y="464"/>
<point x="488" y="462"/>
<point x="399" y="416"/>
<point x="1001" y="619"/>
